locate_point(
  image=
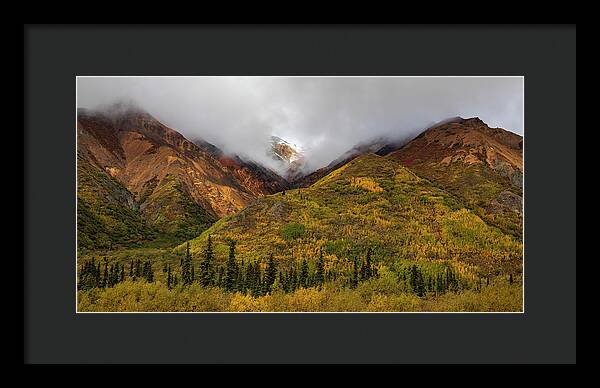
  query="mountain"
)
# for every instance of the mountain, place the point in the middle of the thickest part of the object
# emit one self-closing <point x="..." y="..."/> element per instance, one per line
<point x="257" y="179"/>
<point x="481" y="165"/>
<point x="371" y="201"/>
<point x="176" y="186"/>
<point x="290" y="157"/>
<point x="367" y="147"/>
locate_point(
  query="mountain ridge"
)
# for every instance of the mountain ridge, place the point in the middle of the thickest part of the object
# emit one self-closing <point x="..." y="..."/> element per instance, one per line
<point x="155" y="162"/>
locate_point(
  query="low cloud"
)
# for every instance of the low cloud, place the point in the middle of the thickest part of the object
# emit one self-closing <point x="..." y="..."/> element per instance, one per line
<point x="325" y="116"/>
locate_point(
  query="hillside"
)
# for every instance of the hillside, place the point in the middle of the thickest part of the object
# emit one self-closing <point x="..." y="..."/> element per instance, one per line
<point x="107" y="215"/>
<point x="178" y="187"/>
<point x="481" y="165"/>
<point x="360" y="149"/>
<point x="370" y="202"/>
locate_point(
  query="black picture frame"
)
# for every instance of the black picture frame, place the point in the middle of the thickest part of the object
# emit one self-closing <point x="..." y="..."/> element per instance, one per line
<point x="544" y="55"/>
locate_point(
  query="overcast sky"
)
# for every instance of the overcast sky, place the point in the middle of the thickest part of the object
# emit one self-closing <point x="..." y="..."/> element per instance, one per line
<point x="325" y="116"/>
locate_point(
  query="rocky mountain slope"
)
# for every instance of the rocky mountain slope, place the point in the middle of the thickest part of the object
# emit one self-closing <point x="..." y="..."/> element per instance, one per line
<point x="289" y="156"/>
<point x="177" y="186"/>
<point x="481" y="165"/>
<point x="257" y="179"/>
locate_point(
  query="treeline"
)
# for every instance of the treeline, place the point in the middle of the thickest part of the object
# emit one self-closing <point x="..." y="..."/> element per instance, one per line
<point x="440" y="283"/>
<point x="250" y="277"/>
<point x="101" y="275"/>
<point x="258" y="279"/>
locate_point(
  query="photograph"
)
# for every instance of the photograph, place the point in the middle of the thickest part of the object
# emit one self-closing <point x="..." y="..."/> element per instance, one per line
<point x="289" y="194"/>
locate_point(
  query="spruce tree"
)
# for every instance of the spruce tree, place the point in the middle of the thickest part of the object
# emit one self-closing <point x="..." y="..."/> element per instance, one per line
<point x="292" y="279"/>
<point x="206" y="275"/>
<point x="111" y="276"/>
<point x="186" y="266"/>
<point x="363" y="271"/>
<point x="320" y="270"/>
<point x="355" y="273"/>
<point x="249" y="280"/>
<point x="257" y="286"/>
<point x="150" y="273"/>
<point x="303" y="278"/>
<point x="104" y="281"/>
<point x="416" y="281"/>
<point x="241" y="281"/>
<point x="368" y="265"/>
<point x="231" y="272"/>
<point x="282" y="281"/>
<point x="270" y="275"/>
<point x="169" y="280"/>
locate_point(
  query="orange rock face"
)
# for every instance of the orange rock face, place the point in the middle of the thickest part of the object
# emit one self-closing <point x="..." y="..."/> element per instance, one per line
<point x="141" y="152"/>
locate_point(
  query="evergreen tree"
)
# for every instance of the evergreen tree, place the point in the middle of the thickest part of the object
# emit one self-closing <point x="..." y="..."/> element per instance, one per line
<point x="110" y="278"/>
<point x="249" y="281"/>
<point x="320" y="270"/>
<point x="241" y="281"/>
<point x="362" y="274"/>
<point x="256" y="279"/>
<point x="88" y="276"/>
<point x="169" y="280"/>
<point x="355" y="274"/>
<point x="368" y="265"/>
<point x="149" y="272"/>
<point x="416" y="281"/>
<point x="270" y="275"/>
<point x="231" y="272"/>
<point x="186" y="266"/>
<point x="206" y="275"/>
<point x="292" y="279"/>
<point x="303" y="278"/>
<point x="104" y="280"/>
<point x="282" y="281"/>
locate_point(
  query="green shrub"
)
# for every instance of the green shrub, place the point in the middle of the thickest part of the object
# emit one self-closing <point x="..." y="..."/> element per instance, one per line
<point x="292" y="231"/>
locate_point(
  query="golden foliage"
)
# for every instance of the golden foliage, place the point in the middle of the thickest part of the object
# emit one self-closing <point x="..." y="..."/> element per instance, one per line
<point x="366" y="183"/>
<point x="374" y="295"/>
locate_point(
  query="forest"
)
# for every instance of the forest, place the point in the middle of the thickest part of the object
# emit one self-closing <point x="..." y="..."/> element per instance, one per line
<point x="364" y="284"/>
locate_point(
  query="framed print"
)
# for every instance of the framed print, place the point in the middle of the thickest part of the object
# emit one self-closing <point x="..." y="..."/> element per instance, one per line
<point x="299" y="194"/>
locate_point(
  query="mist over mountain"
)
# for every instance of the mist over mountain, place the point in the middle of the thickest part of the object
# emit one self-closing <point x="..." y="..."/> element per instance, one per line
<point x="326" y="117"/>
